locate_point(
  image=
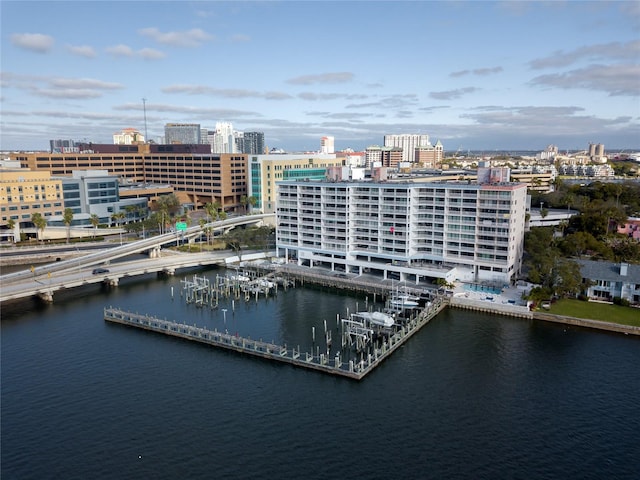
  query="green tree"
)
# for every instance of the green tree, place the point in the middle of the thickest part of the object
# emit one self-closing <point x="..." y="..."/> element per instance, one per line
<point x="40" y="223"/>
<point x="248" y="201"/>
<point x="67" y="217"/>
<point x="11" y="224"/>
<point x="95" y="221"/>
<point x="117" y="218"/>
<point x="566" y="278"/>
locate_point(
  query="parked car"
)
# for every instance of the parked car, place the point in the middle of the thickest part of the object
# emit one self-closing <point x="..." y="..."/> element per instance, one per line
<point x="98" y="271"/>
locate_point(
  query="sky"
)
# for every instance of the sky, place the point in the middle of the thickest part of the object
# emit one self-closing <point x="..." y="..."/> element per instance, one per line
<point x="476" y="75"/>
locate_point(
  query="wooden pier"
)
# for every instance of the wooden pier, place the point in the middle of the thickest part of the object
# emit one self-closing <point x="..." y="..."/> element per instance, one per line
<point x="356" y="370"/>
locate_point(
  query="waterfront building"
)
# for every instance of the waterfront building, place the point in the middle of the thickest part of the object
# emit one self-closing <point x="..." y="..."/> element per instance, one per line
<point x="196" y="175"/>
<point x="592" y="170"/>
<point x="408" y="231"/>
<point x="605" y="281"/>
<point x="185" y="133"/>
<point x="24" y="192"/>
<point x="267" y="170"/>
<point x="408" y="143"/>
<point x="128" y="136"/>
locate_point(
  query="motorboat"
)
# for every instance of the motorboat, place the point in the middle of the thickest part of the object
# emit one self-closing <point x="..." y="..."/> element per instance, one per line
<point x="404" y="301"/>
<point x="378" y="319"/>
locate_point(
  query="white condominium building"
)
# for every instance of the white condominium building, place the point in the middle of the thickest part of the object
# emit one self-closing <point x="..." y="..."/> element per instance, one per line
<point x="414" y="232"/>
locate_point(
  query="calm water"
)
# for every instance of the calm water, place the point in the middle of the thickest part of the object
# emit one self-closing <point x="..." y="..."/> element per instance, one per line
<point x="471" y="396"/>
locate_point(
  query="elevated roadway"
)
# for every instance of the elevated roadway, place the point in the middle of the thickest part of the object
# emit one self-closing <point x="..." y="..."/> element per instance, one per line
<point x="44" y="280"/>
<point x="149" y="244"/>
<point x="45" y="285"/>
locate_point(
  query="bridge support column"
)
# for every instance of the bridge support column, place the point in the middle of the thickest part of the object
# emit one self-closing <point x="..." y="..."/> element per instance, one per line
<point x="46" y="297"/>
<point x="112" y="282"/>
<point x="154" y="252"/>
<point x="169" y="272"/>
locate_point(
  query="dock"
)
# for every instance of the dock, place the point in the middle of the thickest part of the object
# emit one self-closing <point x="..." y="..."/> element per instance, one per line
<point x="320" y="362"/>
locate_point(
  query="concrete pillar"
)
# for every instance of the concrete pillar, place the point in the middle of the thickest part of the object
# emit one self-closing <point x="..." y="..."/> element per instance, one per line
<point x="46" y="297"/>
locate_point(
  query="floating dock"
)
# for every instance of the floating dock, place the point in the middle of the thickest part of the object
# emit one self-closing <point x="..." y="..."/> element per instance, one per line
<point x="356" y="370"/>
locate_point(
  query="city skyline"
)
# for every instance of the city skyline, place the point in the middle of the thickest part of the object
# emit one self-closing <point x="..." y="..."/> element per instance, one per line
<point x="474" y="75"/>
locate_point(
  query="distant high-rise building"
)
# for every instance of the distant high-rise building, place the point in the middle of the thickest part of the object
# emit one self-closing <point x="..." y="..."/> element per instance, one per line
<point x="253" y="143"/>
<point x="596" y="152"/>
<point x="63" y="146"/>
<point x="431" y="156"/>
<point x="238" y="141"/>
<point x="223" y="141"/>
<point x="376" y="156"/>
<point x="128" y="136"/>
<point x="408" y="143"/>
<point x="186" y="133"/>
<point x="327" y="145"/>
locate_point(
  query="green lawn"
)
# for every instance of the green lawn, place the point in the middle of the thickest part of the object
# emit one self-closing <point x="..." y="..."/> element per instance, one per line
<point x="597" y="311"/>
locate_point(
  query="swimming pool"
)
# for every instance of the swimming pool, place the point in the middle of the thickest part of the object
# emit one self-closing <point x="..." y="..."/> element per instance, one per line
<point x="474" y="287"/>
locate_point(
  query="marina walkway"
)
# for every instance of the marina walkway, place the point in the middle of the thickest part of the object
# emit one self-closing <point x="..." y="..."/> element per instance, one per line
<point x="335" y="366"/>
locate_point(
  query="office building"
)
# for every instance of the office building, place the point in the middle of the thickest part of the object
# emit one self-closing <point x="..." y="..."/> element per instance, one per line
<point x="413" y="232"/>
<point x="184" y="133"/>
<point x="25" y="192"/>
<point x="95" y="192"/>
<point x="267" y="170"/>
<point x="196" y="175"/>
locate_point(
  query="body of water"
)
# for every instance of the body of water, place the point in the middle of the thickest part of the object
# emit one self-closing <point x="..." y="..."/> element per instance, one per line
<point x="470" y="396"/>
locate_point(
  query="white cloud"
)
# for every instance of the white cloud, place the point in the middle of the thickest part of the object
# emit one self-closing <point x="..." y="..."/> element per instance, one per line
<point x="453" y="94"/>
<point x="616" y="80"/>
<point x="36" y="42"/>
<point x="224" y="92"/>
<point x="120" y="50"/>
<point x="190" y="38"/>
<point x="337" y="77"/>
<point x="150" y="54"/>
<point x="126" y="51"/>
<point x="81" y="83"/>
<point x="82" y="51"/>
<point x="604" y="51"/>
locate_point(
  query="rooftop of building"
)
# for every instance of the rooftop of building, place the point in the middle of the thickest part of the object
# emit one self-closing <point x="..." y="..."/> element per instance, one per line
<point x="609" y="271"/>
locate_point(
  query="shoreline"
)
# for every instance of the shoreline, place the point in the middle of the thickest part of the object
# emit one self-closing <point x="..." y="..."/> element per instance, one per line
<point x="504" y="309"/>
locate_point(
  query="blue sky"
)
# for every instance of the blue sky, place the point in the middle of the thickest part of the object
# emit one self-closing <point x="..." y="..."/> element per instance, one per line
<point x="474" y="75"/>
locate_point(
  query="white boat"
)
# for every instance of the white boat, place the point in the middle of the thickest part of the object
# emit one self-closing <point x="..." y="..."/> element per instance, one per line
<point x="378" y="319"/>
<point x="404" y="301"/>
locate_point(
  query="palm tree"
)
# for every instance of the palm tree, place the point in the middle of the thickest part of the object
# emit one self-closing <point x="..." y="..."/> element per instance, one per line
<point x="130" y="209"/>
<point x="11" y="223"/>
<point x="67" y="217"/>
<point x="117" y="217"/>
<point x="95" y="221"/>
<point x="40" y="223"/>
<point x="248" y="201"/>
